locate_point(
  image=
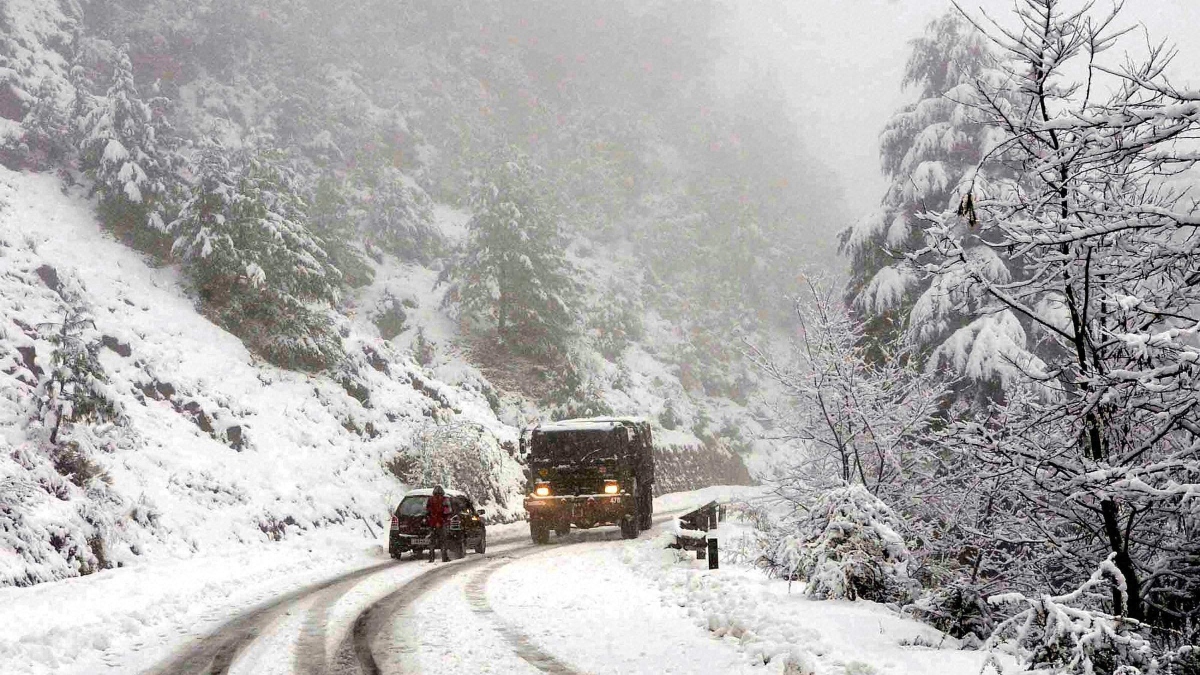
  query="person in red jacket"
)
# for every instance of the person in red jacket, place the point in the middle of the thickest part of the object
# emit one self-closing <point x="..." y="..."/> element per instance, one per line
<point x="437" y="513"/>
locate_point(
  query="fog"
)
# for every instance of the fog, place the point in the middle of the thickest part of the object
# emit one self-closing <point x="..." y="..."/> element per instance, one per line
<point x="841" y="63"/>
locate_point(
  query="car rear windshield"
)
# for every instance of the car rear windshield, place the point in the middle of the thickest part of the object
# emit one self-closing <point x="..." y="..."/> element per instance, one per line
<point x="412" y="506"/>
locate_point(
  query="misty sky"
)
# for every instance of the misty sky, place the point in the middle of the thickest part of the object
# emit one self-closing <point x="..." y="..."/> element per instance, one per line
<point x="843" y="60"/>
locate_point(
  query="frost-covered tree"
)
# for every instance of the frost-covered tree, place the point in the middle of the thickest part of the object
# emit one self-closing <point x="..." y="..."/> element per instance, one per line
<point x="860" y="421"/>
<point x="76" y="390"/>
<point x="257" y="268"/>
<point x="1097" y="447"/>
<point x="126" y="149"/>
<point x="513" y="270"/>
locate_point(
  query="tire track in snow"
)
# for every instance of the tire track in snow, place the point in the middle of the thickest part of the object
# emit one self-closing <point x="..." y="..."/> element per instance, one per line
<point x="356" y="656"/>
<point x="476" y="592"/>
<point x="523" y="646"/>
<point x="215" y="653"/>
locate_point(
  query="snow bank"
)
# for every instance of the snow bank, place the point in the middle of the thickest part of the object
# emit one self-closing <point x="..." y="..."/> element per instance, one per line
<point x="772" y="620"/>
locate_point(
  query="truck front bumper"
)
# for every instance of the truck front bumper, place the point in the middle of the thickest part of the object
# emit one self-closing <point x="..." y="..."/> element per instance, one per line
<point x="581" y="510"/>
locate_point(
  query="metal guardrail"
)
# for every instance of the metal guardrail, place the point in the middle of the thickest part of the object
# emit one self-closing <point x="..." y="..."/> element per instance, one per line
<point x="692" y="533"/>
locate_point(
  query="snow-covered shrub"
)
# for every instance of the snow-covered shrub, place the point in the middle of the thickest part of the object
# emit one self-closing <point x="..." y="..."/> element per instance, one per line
<point x="615" y="322"/>
<point x="957" y="609"/>
<point x="462" y="456"/>
<point x="848" y="547"/>
<point x="424" y="351"/>
<point x="577" y="387"/>
<point x="390" y="316"/>
<point x="1066" y="634"/>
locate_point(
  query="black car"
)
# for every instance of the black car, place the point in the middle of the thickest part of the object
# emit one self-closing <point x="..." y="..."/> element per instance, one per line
<point x="410" y="529"/>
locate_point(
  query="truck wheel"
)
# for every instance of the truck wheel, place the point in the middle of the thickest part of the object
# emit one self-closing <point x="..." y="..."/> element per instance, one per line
<point x="460" y="547"/>
<point x="563" y="529"/>
<point x="481" y="547"/>
<point x="629" y="528"/>
<point x="540" y="532"/>
<point x="418" y="553"/>
<point x="646" y="511"/>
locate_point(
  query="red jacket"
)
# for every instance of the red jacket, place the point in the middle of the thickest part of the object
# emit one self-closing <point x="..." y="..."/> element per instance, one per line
<point x="437" y="510"/>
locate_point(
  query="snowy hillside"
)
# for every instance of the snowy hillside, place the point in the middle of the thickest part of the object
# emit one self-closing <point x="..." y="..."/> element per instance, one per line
<point x="210" y="447"/>
<point x="213" y="447"/>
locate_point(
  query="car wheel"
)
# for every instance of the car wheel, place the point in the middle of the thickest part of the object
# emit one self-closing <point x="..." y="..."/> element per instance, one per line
<point x="563" y="530"/>
<point x="418" y="553"/>
<point x="481" y="547"/>
<point x="540" y="532"/>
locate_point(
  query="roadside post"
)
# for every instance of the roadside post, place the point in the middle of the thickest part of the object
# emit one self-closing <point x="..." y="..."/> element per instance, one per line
<point x="697" y="532"/>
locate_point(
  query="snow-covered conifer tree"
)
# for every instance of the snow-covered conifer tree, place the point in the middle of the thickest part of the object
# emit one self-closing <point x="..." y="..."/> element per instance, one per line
<point x="76" y="388"/>
<point x="513" y="269"/>
<point x="46" y="130"/>
<point x="243" y="240"/>
<point x="396" y="217"/>
<point x="127" y="150"/>
<point x="929" y="149"/>
<point x="332" y="219"/>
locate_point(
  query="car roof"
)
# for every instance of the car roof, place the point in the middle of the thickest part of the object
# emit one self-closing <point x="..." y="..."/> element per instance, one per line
<point x="425" y="492"/>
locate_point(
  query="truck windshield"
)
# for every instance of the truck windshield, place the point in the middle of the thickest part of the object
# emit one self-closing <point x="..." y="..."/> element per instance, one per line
<point x="565" y="447"/>
<point x="412" y="506"/>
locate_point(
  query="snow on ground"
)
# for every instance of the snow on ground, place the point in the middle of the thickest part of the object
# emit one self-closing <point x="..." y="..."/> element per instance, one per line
<point x="599" y="604"/>
<point x="772" y="622"/>
<point x="124" y="620"/>
<point x="581" y="604"/>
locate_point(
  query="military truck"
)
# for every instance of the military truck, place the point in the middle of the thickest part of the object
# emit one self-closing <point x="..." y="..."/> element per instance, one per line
<point x="589" y="472"/>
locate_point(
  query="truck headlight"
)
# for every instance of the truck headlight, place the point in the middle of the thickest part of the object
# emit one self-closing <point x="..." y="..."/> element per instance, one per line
<point x="611" y="487"/>
<point x="542" y="490"/>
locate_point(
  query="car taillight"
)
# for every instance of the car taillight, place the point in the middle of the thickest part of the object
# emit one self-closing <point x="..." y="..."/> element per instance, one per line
<point x="395" y="523"/>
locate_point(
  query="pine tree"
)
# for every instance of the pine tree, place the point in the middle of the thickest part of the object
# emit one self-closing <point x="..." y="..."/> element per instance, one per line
<point x="396" y="216"/>
<point x="256" y="266"/>
<point x="46" y="130"/>
<point x="331" y="219"/>
<point x="76" y="389"/>
<point x="513" y="270"/>
<point x="930" y="150"/>
<point x="127" y="150"/>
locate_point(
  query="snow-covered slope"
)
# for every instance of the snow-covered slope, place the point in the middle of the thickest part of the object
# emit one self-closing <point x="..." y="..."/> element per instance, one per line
<point x="214" y="448"/>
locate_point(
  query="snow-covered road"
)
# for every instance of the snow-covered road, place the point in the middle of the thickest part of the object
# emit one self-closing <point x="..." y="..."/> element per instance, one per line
<point x="588" y="603"/>
<point x="404" y="617"/>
